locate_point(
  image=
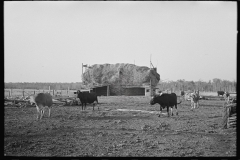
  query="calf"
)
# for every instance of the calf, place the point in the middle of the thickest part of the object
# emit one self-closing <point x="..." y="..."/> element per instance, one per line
<point x="86" y="97"/>
<point x="166" y="100"/>
<point x="42" y="100"/>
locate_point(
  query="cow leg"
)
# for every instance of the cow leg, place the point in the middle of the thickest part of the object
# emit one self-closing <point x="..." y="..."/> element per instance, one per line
<point x="93" y="105"/>
<point x="38" y="111"/>
<point x="168" y="111"/>
<point x="49" y="111"/>
<point x="160" y="111"/>
<point x="42" y="112"/>
<point x="171" y="111"/>
<point x="191" y="105"/>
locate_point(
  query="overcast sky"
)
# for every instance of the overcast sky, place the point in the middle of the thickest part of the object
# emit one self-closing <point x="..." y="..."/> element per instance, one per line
<point x="47" y="41"/>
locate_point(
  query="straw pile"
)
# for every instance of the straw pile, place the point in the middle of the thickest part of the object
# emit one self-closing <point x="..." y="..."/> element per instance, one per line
<point x="120" y="74"/>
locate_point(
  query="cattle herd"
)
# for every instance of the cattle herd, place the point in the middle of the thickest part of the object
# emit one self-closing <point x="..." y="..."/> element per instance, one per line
<point x="165" y="100"/>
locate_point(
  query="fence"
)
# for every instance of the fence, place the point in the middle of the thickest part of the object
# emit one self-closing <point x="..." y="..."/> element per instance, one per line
<point x="26" y="92"/>
<point x="229" y="115"/>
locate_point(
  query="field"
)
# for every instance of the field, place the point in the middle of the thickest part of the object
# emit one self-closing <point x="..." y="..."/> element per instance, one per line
<point x="111" y="132"/>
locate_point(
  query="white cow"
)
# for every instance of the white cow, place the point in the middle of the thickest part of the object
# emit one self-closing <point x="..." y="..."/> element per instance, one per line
<point x="194" y="99"/>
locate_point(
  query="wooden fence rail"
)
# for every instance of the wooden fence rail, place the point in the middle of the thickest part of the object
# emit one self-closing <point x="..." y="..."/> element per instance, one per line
<point x="27" y="92"/>
<point x="229" y="115"/>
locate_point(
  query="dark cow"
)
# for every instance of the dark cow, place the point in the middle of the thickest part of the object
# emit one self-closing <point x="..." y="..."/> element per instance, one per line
<point x="86" y="97"/>
<point x="166" y="100"/>
<point x="43" y="100"/>
<point x="182" y="93"/>
<point x="220" y="93"/>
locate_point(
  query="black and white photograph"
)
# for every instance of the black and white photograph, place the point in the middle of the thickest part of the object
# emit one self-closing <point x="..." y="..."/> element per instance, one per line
<point x="120" y="78"/>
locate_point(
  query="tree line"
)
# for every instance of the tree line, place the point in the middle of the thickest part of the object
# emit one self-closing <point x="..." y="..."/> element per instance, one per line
<point x="211" y="86"/>
<point x="179" y="85"/>
<point x="45" y="86"/>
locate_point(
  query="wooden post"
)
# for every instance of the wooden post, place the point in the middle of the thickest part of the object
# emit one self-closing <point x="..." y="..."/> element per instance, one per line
<point x="11" y="92"/>
<point x="108" y="90"/>
<point x="23" y="92"/>
<point x="150" y="86"/>
<point x="67" y="90"/>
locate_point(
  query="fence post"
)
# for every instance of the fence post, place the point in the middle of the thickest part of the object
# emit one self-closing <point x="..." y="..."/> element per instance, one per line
<point x="23" y="92"/>
<point x="11" y="92"/>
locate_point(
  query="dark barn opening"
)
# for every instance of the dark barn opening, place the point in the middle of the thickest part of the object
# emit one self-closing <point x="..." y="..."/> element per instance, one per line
<point x="101" y="91"/>
<point x="134" y="91"/>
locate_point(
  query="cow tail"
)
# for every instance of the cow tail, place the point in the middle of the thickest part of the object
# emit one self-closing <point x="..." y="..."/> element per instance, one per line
<point x="179" y="102"/>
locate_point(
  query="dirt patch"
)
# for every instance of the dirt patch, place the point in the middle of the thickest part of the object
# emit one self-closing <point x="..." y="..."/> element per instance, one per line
<point x="110" y="132"/>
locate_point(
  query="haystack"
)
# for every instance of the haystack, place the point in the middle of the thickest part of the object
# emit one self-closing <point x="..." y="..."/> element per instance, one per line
<point x="119" y="75"/>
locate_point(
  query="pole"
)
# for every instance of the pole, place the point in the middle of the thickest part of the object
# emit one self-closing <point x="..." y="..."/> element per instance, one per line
<point x="150" y="87"/>
<point x="82" y="69"/>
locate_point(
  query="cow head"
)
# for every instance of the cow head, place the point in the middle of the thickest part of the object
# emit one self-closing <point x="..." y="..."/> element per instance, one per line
<point x="79" y="93"/>
<point x="152" y="101"/>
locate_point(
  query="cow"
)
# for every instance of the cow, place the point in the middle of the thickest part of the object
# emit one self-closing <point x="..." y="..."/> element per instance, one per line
<point x="194" y="99"/>
<point x="220" y="93"/>
<point x="86" y="97"/>
<point x="42" y="101"/>
<point x="165" y="100"/>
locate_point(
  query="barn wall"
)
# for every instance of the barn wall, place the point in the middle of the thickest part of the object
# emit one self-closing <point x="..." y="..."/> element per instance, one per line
<point x="134" y="91"/>
<point x="100" y="91"/>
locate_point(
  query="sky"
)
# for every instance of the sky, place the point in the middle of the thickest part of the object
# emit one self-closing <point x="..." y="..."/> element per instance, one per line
<point x="47" y="41"/>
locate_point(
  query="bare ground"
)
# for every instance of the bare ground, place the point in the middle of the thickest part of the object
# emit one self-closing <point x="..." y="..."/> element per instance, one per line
<point x="109" y="132"/>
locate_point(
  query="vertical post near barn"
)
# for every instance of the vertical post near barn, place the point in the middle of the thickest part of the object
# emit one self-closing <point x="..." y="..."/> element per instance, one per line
<point x="108" y="90"/>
